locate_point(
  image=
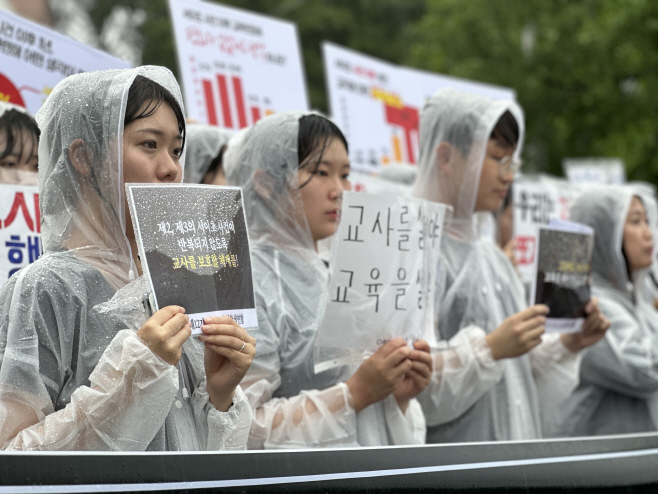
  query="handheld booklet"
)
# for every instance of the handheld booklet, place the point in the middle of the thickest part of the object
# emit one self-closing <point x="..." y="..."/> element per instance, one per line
<point x="562" y="273"/>
<point x="194" y="249"/>
<point x="383" y="270"/>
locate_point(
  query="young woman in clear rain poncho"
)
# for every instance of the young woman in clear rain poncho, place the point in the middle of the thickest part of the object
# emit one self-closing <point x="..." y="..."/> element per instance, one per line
<point x="618" y="391"/>
<point x="500" y="372"/>
<point x="293" y="169"/>
<point x="72" y="377"/>
<point x="19" y="141"/>
<point x="204" y="150"/>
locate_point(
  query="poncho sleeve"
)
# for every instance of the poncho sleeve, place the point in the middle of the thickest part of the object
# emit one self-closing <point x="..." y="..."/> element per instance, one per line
<point x="130" y="389"/>
<point x="312" y="418"/>
<point x="625" y="360"/>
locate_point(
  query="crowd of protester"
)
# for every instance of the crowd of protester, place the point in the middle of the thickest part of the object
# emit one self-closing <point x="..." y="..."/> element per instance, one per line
<point x="85" y="364"/>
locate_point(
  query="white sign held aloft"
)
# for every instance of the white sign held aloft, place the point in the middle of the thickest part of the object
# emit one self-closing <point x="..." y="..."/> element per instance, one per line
<point x="33" y="59"/>
<point x="536" y="202"/>
<point x="236" y="66"/>
<point x="20" y="229"/>
<point x="384" y="264"/>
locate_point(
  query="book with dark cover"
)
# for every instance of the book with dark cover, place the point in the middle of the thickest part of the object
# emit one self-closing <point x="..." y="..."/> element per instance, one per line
<point x="194" y="248"/>
<point x="562" y="273"/>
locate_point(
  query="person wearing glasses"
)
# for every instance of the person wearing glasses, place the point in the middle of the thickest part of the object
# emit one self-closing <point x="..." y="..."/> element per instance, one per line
<point x="502" y="376"/>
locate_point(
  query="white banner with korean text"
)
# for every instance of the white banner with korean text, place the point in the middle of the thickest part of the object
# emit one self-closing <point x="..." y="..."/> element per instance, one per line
<point x="236" y="66"/>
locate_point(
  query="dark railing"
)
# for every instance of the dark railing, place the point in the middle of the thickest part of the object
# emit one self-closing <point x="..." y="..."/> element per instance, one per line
<point x="603" y="464"/>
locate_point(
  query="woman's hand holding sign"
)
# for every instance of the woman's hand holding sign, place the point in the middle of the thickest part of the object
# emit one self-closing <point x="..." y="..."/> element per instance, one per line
<point x="418" y="377"/>
<point x="228" y="356"/>
<point x="165" y="332"/>
<point x="594" y="328"/>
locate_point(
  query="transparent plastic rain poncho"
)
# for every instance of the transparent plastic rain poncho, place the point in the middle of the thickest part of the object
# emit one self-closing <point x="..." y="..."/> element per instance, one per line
<point x="618" y="391"/>
<point x="74" y="375"/>
<point x="202" y="145"/>
<point x="293" y="407"/>
<point x="10" y="176"/>
<point x="471" y="396"/>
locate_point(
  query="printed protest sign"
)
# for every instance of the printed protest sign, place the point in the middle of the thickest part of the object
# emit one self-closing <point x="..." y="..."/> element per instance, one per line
<point x="377" y="104"/>
<point x="33" y="59"/>
<point x="592" y="171"/>
<point x="194" y="248"/>
<point x="20" y="228"/>
<point x="536" y="201"/>
<point x="384" y="264"/>
<point x="236" y="66"/>
<point x="562" y="274"/>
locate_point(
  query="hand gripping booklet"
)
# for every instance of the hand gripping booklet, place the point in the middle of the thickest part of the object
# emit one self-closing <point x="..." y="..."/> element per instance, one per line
<point x="194" y="249"/>
<point x="562" y="273"/>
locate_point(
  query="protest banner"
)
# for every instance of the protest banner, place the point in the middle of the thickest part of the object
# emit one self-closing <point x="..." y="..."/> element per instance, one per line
<point x="194" y="249"/>
<point x="377" y="104"/>
<point x="20" y="228"/>
<point x="562" y="274"/>
<point x="384" y="263"/>
<point x="592" y="171"/>
<point x="236" y="67"/>
<point x="362" y="182"/>
<point x="33" y="59"/>
<point x="537" y="200"/>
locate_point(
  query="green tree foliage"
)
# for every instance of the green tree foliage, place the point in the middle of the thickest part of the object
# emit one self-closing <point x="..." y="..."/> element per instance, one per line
<point x="157" y="42"/>
<point x="585" y="72"/>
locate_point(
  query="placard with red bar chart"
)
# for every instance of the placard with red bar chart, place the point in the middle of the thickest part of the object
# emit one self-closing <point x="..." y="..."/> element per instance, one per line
<point x="236" y="67"/>
<point x="33" y="59"/>
<point x="377" y="104"/>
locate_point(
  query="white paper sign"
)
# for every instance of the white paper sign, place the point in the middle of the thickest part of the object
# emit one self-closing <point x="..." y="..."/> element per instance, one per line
<point x="20" y="228"/>
<point x="384" y="265"/>
<point x="377" y="104"/>
<point x="592" y="171"/>
<point x="236" y="66"/>
<point x="33" y="59"/>
<point x="536" y="202"/>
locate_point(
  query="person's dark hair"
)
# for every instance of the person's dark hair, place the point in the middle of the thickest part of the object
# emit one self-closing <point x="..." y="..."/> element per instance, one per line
<point x="506" y="130"/>
<point x="216" y="163"/>
<point x="508" y="198"/>
<point x="13" y="123"/>
<point x="144" y="90"/>
<point x="623" y="251"/>
<point x="315" y="132"/>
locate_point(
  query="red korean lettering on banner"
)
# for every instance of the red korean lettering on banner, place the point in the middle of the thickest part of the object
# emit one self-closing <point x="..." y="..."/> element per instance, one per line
<point x="525" y="249"/>
<point x="19" y="204"/>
